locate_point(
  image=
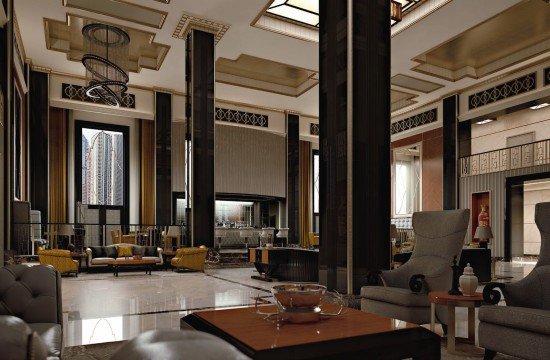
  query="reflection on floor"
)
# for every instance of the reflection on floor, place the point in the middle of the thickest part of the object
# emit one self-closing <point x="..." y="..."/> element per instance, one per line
<point x="100" y="308"/>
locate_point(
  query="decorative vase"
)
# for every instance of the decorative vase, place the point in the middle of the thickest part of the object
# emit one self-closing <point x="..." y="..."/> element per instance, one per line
<point x="483" y="217"/>
<point x="468" y="281"/>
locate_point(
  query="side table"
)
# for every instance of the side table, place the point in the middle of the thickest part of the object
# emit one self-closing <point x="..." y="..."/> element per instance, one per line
<point x="452" y="302"/>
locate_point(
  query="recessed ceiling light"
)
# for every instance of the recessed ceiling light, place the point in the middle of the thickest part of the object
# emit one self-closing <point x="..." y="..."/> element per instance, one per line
<point x="539" y="106"/>
<point x="486" y="121"/>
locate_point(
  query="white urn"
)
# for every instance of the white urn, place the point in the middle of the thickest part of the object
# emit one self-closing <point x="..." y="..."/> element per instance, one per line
<point x="468" y="281"/>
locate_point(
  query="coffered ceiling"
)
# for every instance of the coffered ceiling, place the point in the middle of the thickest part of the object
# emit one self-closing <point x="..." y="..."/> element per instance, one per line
<point x="436" y="37"/>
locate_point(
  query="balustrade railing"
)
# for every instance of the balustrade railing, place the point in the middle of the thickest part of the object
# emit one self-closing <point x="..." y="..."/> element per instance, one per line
<point x="517" y="157"/>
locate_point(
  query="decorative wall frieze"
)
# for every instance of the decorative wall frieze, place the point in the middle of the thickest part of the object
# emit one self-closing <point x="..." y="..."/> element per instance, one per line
<point x="427" y="117"/>
<point x="503" y="91"/>
<point x="517" y="157"/>
<point x="547" y="76"/>
<point x="242" y="117"/>
<point x="78" y="93"/>
<point x="314" y="129"/>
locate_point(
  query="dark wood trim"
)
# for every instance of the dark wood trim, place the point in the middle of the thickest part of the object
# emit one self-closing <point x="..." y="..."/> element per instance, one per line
<point x="125" y="130"/>
<point x="163" y="158"/>
<point x="450" y="161"/>
<point x="510" y="183"/>
<point x="293" y="177"/>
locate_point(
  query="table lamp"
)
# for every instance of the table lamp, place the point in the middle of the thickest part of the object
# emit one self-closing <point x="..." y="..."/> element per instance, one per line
<point x="484" y="234"/>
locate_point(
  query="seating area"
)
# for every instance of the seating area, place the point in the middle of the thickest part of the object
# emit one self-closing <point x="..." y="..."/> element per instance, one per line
<point x="274" y="179"/>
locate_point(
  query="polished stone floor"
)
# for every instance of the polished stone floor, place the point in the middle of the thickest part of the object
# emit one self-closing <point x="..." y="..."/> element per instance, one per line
<point x="101" y="308"/>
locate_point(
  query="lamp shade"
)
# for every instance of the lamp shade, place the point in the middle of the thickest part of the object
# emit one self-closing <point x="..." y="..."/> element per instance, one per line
<point x="483" y="232"/>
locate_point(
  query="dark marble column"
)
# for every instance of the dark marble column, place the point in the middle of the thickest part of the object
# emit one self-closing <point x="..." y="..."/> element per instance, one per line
<point x="450" y="151"/>
<point x="202" y="109"/>
<point x="38" y="141"/>
<point x="293" y="177"/>
<point x="163" y="158"/>
<point x="354" y="142"/>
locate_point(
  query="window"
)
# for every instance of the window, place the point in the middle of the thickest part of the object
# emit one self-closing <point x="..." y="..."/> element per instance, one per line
<point x="102" y="167"/>
<point x="315" y="191"/>
<point x="406" y="181"/>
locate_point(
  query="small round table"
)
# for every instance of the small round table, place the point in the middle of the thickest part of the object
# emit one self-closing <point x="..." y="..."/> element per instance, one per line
<point x="453" y="301"/>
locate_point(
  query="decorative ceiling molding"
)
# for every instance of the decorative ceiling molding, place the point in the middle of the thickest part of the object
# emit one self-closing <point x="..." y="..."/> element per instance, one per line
<point x="189" y="22"/>
<point x="67" y="37"/>
<point x="265" y="75"/>
<point x="401" y="99"/>
<point x="492" y="45"/>
<point x="424" y="118"/>
<point x="503" y="91"/>
<point x="122" y="10"/>
<point x="415" y="84"/>
<point x="164" y="1"/>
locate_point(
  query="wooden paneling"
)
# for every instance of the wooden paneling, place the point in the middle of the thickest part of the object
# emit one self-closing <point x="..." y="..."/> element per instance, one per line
<point x="305" y="192"/>
<point x="58" y="165"/>
<point x="163" y="158"/>
<point x="450" y="145"/>
<point x="147" y="169"/>
<point x="293" y="178"/>
<point x="38" y="141"/>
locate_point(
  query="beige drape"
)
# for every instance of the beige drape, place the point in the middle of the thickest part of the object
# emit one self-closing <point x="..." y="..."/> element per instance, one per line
<point x="305" y="192"/>
<point x="147" y="183"/>
<point x="57" y="208"/>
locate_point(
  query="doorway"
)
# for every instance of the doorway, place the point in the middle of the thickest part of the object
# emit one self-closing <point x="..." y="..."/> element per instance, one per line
<point x="522" y="238"/>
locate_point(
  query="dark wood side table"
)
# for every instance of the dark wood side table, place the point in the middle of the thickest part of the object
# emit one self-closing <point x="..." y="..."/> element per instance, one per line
<point x="452" y="302"/>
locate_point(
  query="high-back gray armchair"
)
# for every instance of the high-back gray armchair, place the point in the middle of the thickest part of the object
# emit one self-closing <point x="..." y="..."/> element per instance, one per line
<point x="33" y="294"/>
<point x="403" y="292"/>
<point x="522" y="327"/>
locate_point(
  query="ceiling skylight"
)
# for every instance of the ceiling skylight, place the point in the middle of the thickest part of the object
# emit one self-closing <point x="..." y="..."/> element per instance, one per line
<point x="307" y="11"/>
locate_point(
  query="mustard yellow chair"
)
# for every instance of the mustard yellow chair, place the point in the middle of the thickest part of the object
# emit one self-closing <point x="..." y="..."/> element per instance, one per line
<point x="61" y="260"/>
<point x="190" y="258"/>
<point x="313" y="239"/>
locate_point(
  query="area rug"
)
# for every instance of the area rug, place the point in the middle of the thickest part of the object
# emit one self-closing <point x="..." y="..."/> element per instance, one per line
<point x="102" y="351"/>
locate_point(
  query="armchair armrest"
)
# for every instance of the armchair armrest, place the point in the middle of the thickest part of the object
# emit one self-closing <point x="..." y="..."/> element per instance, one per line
<point x="88" y="257"/>
<point x="491" y="295"/>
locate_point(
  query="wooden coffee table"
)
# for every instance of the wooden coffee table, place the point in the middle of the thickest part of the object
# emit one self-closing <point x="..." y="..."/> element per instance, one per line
<point x="452" y="302"/>
<point x="352" y="335"/>
<point x="117" y="263"/>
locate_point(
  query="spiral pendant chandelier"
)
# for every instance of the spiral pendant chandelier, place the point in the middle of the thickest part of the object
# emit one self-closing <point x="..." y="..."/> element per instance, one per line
<point x="106" y="52"/>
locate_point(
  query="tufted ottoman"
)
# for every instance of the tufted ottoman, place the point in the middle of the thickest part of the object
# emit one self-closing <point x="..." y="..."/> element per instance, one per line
<point x="33" y="294"/>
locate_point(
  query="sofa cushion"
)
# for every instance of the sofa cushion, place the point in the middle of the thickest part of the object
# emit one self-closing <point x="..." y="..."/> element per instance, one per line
<point x="111" y="252"/>
<point x="529" y="319"/>
<point x="397" y="296"/>
<point x="52" y="337"/>
<point x="149" y="251"/>
<point x="19" y="341"/>
<point x="97" y="251"/>
<point x="156" y="258"/>
<point x="101" y="261"/>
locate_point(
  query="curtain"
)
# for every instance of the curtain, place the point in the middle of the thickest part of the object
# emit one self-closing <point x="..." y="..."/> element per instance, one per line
<point x="305" y="192"/>
<point x="58" y="165"/>
<point x="147" y="183"/>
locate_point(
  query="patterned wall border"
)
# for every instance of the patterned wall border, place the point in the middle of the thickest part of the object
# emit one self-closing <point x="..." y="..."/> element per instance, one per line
<point x="314" y="129"/>
<point x="242" y="117"/>
<point x="77" y="92"/>
<point x="503" y="91"/>
<point x="427" y="117"/>
<point x="547" y="76"/>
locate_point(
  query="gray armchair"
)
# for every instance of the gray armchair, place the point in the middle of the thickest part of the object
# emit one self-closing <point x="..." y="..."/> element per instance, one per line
<point x="522" y="327"/>
<point x="33" y="294"/>
<point x="402" y="293"/>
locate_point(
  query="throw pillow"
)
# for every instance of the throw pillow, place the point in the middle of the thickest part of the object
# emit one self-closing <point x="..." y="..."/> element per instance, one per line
<point x="111" y="251"/>
<point x="97" y="252"/>
<point x="124" y="251"/>
<point x="150" y="251"/>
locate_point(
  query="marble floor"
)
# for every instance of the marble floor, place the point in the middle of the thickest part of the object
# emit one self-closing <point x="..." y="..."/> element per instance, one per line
<point x="99" y="307"/>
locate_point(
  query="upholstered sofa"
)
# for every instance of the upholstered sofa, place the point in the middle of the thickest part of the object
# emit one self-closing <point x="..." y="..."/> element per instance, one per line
<point x="177" y="344"/>
<point x="522" y="327"/>
<point x="98" y="256"/>
<point x="402" y="293"/>
<point x="32" y="294"/>
<point x="61" y="260"/>
<point x="191" y="258"/>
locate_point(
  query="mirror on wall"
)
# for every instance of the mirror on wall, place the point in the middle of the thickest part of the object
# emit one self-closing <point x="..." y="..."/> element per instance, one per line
<point x="406" y="180"/>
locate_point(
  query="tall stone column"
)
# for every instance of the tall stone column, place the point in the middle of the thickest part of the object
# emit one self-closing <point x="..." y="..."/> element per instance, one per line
<point x="203" y="194"/>
<point x="354" y="98"/>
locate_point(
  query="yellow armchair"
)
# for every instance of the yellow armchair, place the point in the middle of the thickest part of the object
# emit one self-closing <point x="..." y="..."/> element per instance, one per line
<point x="61" y="260"/>
<point x="190" y="258"/>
